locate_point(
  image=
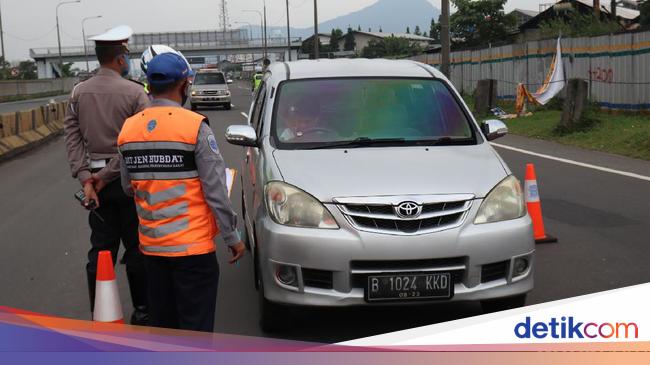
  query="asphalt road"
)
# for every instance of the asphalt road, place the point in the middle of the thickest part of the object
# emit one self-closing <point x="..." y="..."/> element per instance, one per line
<point x="602" y="220"/>
<point x="15" y="106"/>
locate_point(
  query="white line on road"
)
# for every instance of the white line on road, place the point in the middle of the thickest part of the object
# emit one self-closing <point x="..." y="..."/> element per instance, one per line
<point x="244" y="115"/>
<point x="576" y="163"/>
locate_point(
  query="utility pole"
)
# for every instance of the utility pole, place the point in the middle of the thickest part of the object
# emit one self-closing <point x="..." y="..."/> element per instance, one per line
<point x="597" y="9"/>
<point x="262" y="27"/>
<point x="266" y="52"/>
<point x="2" y="40"/>
<point x="316" y="36"/>
<point x="58" y="33"/>
<point x="83" y="37"/>
<point x="288" y="32"/>
<point x="444" y="39"/>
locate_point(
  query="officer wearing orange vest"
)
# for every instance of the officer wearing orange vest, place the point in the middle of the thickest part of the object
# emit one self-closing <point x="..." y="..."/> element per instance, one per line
<point x="173" y="168"/>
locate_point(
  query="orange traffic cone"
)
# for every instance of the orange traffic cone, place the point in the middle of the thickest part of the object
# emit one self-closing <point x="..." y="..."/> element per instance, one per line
<point x="535" y="206"/>
<point x="108" y="307"/>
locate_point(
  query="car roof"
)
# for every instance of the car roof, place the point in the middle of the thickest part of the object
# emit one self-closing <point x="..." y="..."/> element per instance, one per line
<point x="358" y="67"/>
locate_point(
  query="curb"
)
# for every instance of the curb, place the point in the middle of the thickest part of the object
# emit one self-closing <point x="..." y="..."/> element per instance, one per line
<point x="14" y="152"/>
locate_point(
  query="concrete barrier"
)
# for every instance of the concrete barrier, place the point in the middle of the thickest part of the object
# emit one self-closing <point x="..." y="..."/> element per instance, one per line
<point x="35" y="87"/>
<point x="23" y="130"/>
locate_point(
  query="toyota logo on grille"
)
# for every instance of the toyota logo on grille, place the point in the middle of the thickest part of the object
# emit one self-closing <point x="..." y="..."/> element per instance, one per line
<point x="408" y="210"/>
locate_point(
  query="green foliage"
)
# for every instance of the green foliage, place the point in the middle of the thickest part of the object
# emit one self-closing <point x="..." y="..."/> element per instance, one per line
<point x="335" y="39"/>
<point x="27" y="70"/>
<point x="434" y="30"/>
<point x="480" y="22"/>
<point x="390" y="47"/>
<point x="408" y="30"/>
<point x="67" y="70"/>
<point x="349" y="44"/>
<point x="308" y="47"/>
<point x="575" y="24"/>
<point x="644" y="7"/>
<point x="417" y="30"/>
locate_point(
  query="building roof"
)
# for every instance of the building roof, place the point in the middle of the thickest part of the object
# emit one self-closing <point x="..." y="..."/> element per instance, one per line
<point x="621" y="12"/>
<point x="398" y="35"/>
<point x="357" y="67"/>
<point x="531" y="13"/>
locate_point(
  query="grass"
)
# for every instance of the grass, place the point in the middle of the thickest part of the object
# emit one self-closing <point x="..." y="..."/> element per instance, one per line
<point x="624" y="134"/>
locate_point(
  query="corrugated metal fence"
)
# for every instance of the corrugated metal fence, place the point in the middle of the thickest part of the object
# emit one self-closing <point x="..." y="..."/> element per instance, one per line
<point x="617" y="67"/>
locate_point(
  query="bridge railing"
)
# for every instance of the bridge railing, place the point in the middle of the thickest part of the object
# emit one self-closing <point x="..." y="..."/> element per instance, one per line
<point x="48" y="52"/>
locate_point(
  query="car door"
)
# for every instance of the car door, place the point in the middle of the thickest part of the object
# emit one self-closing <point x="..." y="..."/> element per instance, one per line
<point x="251" y="160"/>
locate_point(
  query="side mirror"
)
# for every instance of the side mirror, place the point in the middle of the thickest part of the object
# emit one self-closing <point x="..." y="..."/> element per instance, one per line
<point x="494" y="129"/>
<point x="241" y="135"/>
<point x="229" y="81"/>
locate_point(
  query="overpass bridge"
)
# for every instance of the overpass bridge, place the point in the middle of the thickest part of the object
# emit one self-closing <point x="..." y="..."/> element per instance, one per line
<point x="191" y="44"/>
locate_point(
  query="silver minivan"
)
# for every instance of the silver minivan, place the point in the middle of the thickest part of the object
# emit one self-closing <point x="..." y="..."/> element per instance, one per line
<point x="368" y="182"/>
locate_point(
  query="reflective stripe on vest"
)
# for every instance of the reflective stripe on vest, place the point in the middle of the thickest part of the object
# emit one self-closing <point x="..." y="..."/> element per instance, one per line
<point x="157" y="148"/>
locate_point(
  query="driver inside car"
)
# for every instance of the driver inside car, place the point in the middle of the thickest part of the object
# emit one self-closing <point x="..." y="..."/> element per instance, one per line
<point x="301" y="120"/>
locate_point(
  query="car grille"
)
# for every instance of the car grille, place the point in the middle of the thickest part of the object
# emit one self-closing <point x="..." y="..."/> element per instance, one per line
<point x="383" y="218"/>
<point x="360" y="270"/>
<point x="492" y="272"/>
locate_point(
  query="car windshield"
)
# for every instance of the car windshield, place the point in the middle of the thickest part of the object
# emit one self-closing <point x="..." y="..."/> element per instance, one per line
<point x="209" y="78"/>
<point x="360" y="112"/>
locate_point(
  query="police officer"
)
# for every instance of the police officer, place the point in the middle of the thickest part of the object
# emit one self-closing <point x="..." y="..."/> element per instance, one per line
<point x="172" y="166"/>
<point x="98" y="108"/>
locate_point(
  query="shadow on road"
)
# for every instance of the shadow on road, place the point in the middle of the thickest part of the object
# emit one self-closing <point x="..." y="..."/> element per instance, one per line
<point x="330" y="325"/>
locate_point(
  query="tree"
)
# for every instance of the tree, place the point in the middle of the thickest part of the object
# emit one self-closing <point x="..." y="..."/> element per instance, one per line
<point x="349" y="44"/>
<point x="480" y="22"/>
<point x="390" y="47"/>
<point x="574" y="24"/>
<point x="358" y="28"/>
<point x="434" y="30"/>
<point x="27" y="70"/>
<point x="67" y="70"/>
<point x="380" y="30"/>
<point x="308" y="47"/>
<point x="369" y="30"/>
<point x="408" y="30"/>
<point x="417" y="30"/>
<point x="644" y="19"/>
<point x="335" y="39"/>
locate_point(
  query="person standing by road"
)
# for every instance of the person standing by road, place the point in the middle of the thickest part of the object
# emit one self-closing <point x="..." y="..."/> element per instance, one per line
<point x="172" y="166"/>
<point x="98" y="108"/>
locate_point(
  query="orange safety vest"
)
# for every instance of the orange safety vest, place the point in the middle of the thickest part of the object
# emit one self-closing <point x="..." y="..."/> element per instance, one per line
<point x="157" y="146"/>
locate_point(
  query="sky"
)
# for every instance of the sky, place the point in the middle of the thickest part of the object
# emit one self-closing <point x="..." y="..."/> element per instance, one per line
<point x="32" y="23"/>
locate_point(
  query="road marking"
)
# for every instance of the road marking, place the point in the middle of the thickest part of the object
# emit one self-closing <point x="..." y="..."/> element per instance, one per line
<point x="572" y="162"/>
<point x="244" y="115"/>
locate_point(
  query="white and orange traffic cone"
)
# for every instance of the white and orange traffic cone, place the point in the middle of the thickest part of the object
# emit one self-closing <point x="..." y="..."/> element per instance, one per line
<point x="534" y="206"/>
<point x="108" y="307"/>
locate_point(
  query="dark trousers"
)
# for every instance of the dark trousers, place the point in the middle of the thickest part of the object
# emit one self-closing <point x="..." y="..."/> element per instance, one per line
<point x="120" y="224"/>
<point x="183" y="291"/>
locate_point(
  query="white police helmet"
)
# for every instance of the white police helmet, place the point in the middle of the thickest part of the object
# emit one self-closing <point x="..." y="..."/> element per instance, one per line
<point x="154" y="50"/>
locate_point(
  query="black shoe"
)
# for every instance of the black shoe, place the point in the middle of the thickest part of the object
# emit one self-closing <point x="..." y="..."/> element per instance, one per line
<point x="140" y="316"/>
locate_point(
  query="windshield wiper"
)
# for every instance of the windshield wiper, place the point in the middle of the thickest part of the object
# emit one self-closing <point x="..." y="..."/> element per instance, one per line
<point x="445" y="141"/>
<point x="362" y="142"/>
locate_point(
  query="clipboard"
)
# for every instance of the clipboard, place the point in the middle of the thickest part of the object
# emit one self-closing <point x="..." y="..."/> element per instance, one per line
<point x="230" y="179"/>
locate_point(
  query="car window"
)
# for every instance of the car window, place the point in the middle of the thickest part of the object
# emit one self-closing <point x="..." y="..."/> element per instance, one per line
<point x="209" y="78"/>
<point x="326" y="112"/>
<point x="259" y="104"/>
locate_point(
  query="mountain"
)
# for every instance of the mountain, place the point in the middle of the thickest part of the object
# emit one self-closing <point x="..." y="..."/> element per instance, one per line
<point x="393" y="16"/>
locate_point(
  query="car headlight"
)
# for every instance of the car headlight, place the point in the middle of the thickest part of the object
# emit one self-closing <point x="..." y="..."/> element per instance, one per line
<point x="504" y="202"/>
<point x="291" y="206"/>
<point x="194" y="92"/>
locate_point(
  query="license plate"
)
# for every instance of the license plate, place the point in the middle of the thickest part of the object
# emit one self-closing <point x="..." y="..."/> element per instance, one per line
<point x="405" y="286"/>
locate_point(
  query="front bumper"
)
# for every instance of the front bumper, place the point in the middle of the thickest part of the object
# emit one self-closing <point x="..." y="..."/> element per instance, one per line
<point x="475" y="247"/>
<point x="210" y="100"/>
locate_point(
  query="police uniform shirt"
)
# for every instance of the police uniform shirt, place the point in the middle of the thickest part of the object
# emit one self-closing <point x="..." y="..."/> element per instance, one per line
<point x="212" y="173"/>
<point x="97" y="111"/>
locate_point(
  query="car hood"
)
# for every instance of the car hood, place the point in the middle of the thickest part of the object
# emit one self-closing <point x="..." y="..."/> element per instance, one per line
<point x="356" y="172"/>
